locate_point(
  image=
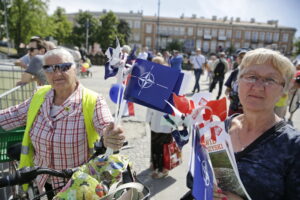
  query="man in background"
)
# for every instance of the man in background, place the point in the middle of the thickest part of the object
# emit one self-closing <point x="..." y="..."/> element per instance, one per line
<point x="198" y="62"/>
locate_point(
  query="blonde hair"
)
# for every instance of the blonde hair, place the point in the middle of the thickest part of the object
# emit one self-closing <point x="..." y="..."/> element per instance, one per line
<point x="266" y="56"/>
<point x="159" y="60"/>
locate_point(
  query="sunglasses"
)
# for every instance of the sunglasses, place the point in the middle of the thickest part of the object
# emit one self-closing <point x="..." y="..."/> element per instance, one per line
<point x="31" y="49"/>
<point x="61" y="67"/>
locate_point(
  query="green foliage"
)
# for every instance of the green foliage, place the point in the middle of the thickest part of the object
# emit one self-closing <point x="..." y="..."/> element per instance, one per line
<point x="83" y="21"/>
<point x="108" y="32"/>
<point x="297" y="46"/>
<point x="62" y="27"/>
<point x="28" y="18"/>
<point x="124" y="30"/>
<point x="175" y="45"/>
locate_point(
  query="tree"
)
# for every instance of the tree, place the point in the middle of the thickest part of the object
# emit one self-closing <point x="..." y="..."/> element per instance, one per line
<point x="124" y="30"/>
<point x="297" y="46"/>
<point x="28" y="18"/>
<point x="108" y="32"/>
<point x="175" y="45"/>
<point x="62" y="27"/>
<point x="84" y="20"/>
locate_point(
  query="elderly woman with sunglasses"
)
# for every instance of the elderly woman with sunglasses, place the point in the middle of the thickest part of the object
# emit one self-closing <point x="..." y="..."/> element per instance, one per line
<point x="62" y="120"/>
<point x="267" y="149"/>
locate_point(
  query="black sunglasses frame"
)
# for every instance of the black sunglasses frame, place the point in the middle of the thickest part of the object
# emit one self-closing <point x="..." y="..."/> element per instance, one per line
<point x="63" y="67"/>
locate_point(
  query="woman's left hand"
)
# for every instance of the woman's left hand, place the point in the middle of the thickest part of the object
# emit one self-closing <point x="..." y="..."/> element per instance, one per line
<point x="113" y="137"/>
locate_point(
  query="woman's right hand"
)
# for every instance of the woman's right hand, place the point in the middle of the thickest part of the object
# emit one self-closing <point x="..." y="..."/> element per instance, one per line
<point x="218" y="194"/>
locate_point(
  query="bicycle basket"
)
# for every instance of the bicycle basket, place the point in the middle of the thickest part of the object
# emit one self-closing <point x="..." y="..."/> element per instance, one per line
<point x="8" y="138"/>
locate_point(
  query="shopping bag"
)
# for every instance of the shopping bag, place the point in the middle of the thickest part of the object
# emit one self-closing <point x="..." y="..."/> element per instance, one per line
<point x="172" y="155"/>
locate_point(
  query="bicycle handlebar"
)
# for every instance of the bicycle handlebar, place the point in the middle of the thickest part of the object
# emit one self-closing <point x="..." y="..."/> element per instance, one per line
<point x="27" y="174"/>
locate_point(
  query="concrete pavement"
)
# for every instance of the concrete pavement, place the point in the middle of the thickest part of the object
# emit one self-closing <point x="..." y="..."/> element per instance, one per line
<point x="138" y="135"/>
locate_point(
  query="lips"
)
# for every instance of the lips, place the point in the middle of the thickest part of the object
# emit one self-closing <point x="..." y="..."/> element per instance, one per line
<point x="255" y="96"/>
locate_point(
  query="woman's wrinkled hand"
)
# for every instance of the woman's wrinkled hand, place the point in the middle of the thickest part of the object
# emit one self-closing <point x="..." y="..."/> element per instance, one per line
<point x="113" y="137"/>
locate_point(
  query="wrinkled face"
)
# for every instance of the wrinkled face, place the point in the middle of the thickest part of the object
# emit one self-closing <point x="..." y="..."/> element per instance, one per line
<point x="59" y="79"/>
<point x="260" y="87"/>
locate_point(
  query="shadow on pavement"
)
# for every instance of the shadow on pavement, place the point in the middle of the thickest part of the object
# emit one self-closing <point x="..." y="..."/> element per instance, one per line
<point x="155" y="185"/>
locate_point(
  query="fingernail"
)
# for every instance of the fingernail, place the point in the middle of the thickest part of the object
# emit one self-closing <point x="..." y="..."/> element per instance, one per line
<point x="219" y="190"/>
<point x="224" y="198"/>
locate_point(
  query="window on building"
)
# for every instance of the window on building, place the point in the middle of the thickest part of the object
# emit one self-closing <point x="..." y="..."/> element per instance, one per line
<point x="221" y="32"/>
<point x="137" y="24"/>
<point x="200" y="32"/>
<point x="130" y="23"/>
<point x="269" y="37"/>
<point x="182" y="31"/>
<point x="229" y="33"/>
<point x="260" y="45"/>
<point x="148" y="41"/>
<point x="276" y="37"/>
<point x="176" y="30"/>
<point x="285" y="37"/>
<point x="163" y="43"/>
<point x="214" y="32"/>
<point x="205" y="46"/>
<point x="149" y="28"/>
<point x="198" y="44"/>
<point x="262" y="36"/>
<point x="227" y="44"/>
<point x="247" y="35"/>
<point x="136" y="37"/>
<point x="207" y="31"/>
<point x="246" y="45"/>
<point x="237" y="45"/>
<point x="238" y="34"/>
<point x="254" y="36"/>
<point x="213" y="46"/>
<point x="190" y="31"/>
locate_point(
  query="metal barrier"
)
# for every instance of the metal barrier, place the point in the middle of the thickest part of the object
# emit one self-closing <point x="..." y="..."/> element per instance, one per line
<point x="9" y="93"/>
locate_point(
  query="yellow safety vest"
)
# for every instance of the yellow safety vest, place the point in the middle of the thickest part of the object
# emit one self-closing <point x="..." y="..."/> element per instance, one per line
<point x="88" y="105"/>
<point x="283" y="101"/>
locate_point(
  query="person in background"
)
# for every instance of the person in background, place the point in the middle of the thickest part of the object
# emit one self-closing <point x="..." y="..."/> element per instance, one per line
<point x="143" y="54"/>
<point x="24" y="61"/>
<point x="232" y="87"/>
<point x="176" y="60"/>
<point x="266" y="148"/>
<point x="166" y="56"/>
<point x="63" y="120"/>
<point x="220" y="67"/>
<point x="199" y="63"/>
<point x="294" y="97"/>
<point x="160" y="135"/>
<point x="34" y="71"/>
<point x="210" y="66"/>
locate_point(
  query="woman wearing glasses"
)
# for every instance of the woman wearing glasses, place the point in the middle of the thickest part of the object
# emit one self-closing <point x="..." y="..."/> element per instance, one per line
<point x="62" y="120"/>
<point x="267" y="149"/>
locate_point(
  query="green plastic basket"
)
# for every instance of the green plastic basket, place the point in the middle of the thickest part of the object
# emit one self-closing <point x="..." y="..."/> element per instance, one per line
<point x="8" y="138"/>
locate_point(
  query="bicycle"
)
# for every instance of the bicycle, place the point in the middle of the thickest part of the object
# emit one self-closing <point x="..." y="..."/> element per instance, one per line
<point x="27" y="175"/>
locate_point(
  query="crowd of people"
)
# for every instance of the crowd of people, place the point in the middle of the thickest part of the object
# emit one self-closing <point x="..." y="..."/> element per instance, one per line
<point x="64" y="119"/>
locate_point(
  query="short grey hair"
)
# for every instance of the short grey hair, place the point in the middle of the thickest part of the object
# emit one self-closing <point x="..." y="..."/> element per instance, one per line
<point x="60" y="52"/>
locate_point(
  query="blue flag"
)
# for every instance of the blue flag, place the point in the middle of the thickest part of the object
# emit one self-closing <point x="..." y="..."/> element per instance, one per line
<point x="131" y="57"/>
<point x="110" y="70"/>
<point x="151" y="84"/>
<point x="203" y="177"/>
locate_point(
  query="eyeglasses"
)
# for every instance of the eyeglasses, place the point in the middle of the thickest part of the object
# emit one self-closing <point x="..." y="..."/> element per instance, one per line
<point x="266" y="81"/>
<point x="31" y="49"/>
<point x="63" y="67"/>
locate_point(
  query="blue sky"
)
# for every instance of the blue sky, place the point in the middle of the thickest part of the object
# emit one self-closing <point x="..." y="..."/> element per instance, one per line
<point x="286" y="11"/>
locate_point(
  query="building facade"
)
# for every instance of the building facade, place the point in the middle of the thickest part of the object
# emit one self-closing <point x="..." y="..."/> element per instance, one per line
<point x="210" y="35"/>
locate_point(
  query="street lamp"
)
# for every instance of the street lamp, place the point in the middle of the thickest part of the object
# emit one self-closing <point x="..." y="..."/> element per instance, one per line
<point x="157" y="27"/>
<point x="87" y="34"/>
<point x="6" y="24"/>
